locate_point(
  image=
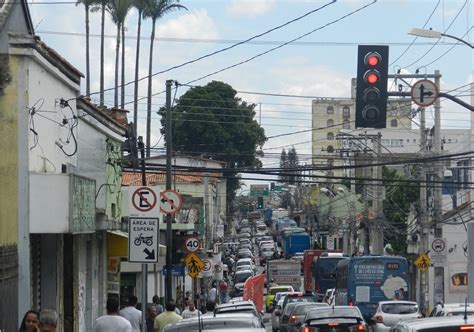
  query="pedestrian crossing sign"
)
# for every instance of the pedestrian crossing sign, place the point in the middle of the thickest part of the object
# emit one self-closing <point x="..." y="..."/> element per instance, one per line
<point x="194" y="263"/>
<point x="423" y="262"/>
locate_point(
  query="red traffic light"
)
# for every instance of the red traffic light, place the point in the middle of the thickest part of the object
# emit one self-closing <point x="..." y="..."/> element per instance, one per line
<point x="372" y="77"/>
<point x="372" y="59"/>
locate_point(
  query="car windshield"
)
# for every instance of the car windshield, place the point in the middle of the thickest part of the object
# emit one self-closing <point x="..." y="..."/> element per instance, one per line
<point x="399" y="308"/>
<point x="274" y="291"/>
<point x="320" y="313"/>
<point x="241" y="277"/>
<point x="303" y="309"/>
<point x="244" y="263"/>
<point x="460" y="313"/>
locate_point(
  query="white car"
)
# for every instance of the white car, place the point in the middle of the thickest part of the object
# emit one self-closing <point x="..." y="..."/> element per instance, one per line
<point x="390" y="313"/>
<point x="453" y="309"/>
<point x="276" y="316"/>
<point x="438" y="324"/>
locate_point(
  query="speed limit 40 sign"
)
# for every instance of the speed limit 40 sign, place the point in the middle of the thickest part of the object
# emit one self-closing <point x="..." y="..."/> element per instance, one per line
<point x="192" y="244"/>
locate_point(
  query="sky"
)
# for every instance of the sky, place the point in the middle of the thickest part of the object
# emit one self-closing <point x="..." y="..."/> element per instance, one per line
<point x="319" y="65"/>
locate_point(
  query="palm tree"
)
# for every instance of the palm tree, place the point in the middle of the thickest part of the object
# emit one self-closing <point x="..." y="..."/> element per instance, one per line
<point x="140" y="5"/>
<point x="118" y="10"/>
<point x="87" y="6"/>
<point x="155" y="10"/>
<point x="103" y="6"/>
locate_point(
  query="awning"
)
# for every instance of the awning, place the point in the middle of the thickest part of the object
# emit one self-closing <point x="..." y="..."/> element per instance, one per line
<point x="117" y="244"/>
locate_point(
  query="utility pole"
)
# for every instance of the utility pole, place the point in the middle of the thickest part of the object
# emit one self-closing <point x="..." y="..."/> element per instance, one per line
<point x="438" y="294"/>
<point x="169" y="217"/>
<point x="377" y="233"/>
<point x="366" y="211"/>
<point x="424" y="222"/>
<point x="141" y="147"/>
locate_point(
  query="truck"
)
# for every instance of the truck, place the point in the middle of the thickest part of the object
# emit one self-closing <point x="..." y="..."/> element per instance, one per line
<point x="295" y="242"/>
<point x="309" y="258"/>
<point x="284" y="272"/>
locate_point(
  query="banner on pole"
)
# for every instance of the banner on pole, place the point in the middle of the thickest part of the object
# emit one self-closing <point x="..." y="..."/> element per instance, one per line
<point x="253" y="290"/>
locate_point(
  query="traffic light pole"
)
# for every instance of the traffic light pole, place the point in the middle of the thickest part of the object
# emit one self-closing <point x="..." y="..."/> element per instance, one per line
<point x="141" y="147"/>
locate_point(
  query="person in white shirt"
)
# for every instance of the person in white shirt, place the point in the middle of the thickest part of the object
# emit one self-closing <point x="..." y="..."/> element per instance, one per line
<point x="191" y="311"/>
<point x="112" y="322"/>
<point x="132" y="314"/>
<point x="212" y="295"/>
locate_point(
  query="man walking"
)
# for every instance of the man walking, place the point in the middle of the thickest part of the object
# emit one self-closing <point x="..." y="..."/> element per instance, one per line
<point x="112" y="322"/>
<point x="168" y="317"/>
<point x="132" y="314"/>
<point x="191" y="311"/>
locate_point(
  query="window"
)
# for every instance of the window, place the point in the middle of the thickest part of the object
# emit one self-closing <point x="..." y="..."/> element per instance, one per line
<point x="396" y="142"/>
<point x="330" y="123"/>
<point x="385" y="142"/>
<point x="330" y="110"/>
<point x="394" y="123"/>
<point x="330" y="149"/>
<point x="346" y="124"/>
<point x="346" y="112"/>
<point x="330" y="137"/>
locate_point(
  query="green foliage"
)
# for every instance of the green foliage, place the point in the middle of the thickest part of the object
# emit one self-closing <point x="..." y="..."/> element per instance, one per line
<point x="211" y="122"/>
<point x="155" y="9"/>
<point x="5" y="77"/>
<point x="398" y="199"/>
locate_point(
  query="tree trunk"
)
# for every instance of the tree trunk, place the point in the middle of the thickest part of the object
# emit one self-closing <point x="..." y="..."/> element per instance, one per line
<point x="150" y="80"/>
<point x="122" y="88"/>
<point x="137" y="68"/>
<point x="102" y="32"/>
<point x="117" y="58"/>
<point x="88" y="70"/>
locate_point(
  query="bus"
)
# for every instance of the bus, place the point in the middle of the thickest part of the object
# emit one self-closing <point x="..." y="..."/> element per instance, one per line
<point x="324" y="271"/>
<point x="364" y="281"/>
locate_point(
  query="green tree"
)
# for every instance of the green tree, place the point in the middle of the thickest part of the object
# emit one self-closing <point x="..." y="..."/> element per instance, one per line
<point x="212" y="122"/>
<point x="396" y="207"/>
<point x="283" y="166"/>
<point x="155" y="9"/>
<point x="293" y="166"/>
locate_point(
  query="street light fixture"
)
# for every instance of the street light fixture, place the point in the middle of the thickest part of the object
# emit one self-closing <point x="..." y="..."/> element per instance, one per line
<point x="425" y="33"/>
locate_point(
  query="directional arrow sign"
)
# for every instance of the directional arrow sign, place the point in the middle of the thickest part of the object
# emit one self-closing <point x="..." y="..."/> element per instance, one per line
<point x="424" y="93"/>
<point x="170" y="201"/>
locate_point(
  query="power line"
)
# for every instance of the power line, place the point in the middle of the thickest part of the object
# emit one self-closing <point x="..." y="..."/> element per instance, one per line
<point x="284" y="44"/>
<point x="416" y="37"/>
<point x="229" y="47"/>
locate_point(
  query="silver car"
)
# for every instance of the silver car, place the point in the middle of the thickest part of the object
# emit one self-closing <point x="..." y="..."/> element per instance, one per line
<point x="237" y="321"/>
<point x="276" y="313"/>
<point x="390" y="313"/>
<point x="435" y="324"/>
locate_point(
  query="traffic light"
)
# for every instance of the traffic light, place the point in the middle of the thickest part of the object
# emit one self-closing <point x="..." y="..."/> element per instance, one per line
<point x="260" y="202"/>
<point x="371" y="90"/>
<point x="129" y="147"/>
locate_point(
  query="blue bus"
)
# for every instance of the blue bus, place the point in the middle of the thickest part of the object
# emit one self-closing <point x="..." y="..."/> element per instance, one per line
<point x="364" y="281"/>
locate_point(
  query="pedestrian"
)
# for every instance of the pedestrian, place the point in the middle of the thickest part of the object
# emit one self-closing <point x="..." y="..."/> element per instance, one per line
<point x="30" y="321"/>
<point x="132" y="314"/>
<point x="403" y="294"/>
<point x="150" y="318"/>
<point x="191" y="311"/>
<point x="112" y="322"/>
<point x="48" y="320"/>
<point x="156" y="303"/>
<point x="212" y="294"/>
<point x="167" y="317"/>
<point x="223" y="287"/>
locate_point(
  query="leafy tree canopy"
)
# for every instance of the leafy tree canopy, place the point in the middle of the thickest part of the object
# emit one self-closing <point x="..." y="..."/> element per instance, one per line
<point x="399" y="196"/>
<point x="211" y="122"/>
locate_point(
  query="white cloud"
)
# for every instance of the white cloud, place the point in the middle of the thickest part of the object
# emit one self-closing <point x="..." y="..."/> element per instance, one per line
<point x="196" y="24"/>
<point x="250" y="8"/>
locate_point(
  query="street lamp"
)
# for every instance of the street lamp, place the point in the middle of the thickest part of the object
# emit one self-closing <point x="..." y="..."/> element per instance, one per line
<point x="435" y="34"/>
